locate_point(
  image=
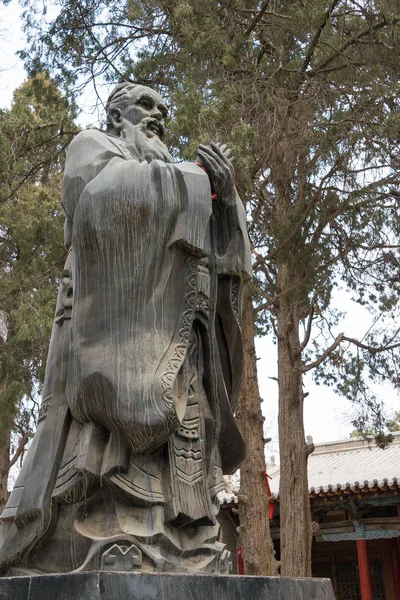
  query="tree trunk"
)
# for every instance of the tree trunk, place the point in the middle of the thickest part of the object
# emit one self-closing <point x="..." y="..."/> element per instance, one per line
<point x="4" y="465"/>
<point x="255" y="537"/>
<point x="295" y="514"/>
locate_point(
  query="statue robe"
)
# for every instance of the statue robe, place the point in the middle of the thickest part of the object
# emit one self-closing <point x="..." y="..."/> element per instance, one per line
<point x="154" y="268"/>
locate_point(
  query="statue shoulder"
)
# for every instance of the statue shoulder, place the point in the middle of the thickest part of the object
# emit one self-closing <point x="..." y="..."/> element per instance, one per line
<point x="91" y="146"/>
<point x="91" y="138"/>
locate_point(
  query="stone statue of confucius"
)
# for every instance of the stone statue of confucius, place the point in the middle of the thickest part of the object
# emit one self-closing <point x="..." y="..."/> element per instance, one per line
<point x="136" y="425"/>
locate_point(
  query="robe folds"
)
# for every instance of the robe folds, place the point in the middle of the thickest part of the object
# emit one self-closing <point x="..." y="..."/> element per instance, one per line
<point x="147" y="318"/>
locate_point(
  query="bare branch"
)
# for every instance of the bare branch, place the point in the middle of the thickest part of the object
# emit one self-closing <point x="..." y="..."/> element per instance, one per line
<point x="309" y="448"/>
<point x="317" y="35"/>
<point x="309" y="326"/>
<point x="323" y="356"/>
<point x="275" y="328"/>
<point x="256" y="19"/>
<point x="95" y="40"/>
<point x="371" y="349"/>
<point x="20" y="448"/>
<point x="351" y="42"/>
<point x="267" y="12"/>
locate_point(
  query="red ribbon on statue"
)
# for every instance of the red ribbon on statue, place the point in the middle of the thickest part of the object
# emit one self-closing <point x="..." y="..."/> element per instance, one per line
<point x="270" y="506"/>
<point x="213" y="196"/>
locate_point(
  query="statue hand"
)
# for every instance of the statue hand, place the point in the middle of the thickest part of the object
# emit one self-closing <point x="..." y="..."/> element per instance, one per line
<point x="217" y="163"/>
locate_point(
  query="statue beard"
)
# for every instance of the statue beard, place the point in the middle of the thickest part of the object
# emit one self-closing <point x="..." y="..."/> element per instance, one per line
<point x="143" y="143"/>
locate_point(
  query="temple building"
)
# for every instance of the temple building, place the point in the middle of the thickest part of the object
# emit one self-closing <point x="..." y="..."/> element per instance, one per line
<point x="355" y="507"/>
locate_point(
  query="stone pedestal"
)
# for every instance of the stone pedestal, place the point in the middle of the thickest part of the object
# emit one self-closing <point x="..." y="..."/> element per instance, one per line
<point x="161" y="586"/>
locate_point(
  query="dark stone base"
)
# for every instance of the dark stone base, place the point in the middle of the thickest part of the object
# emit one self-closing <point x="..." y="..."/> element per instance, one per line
<point x="163" y="586"/>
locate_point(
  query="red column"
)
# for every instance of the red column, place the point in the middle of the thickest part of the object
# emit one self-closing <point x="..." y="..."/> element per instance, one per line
<point x="364" y="570"/>
<point x="240" y="561"/>
<point x="394" y="553"/>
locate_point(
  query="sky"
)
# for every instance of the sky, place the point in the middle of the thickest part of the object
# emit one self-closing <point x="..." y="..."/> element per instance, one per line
<point x="326" y="415"/>
<point x="11" y="39"/>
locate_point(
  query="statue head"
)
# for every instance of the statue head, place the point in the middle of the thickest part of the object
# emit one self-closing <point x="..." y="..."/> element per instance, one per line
<point x="136" y="114"/>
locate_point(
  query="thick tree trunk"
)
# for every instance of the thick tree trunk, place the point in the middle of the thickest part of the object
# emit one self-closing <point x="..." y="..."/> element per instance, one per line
<point x="295" y="514"/>
<point x="255" y="537"/>
<point x="4" y="465"/>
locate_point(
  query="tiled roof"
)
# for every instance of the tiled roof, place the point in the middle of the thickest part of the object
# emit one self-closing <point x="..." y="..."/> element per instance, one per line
<point x="350" y="466"/>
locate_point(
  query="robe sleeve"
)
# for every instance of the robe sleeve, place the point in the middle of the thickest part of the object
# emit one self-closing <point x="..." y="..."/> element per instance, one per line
<point x="88" y="154"/>
<point x="230" y="240"/>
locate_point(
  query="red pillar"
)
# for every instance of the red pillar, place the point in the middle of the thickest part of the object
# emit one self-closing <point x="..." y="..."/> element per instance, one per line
<point x="240" y="561"/>
<point x="394" y="553"/>
<point x="364" y="570"/>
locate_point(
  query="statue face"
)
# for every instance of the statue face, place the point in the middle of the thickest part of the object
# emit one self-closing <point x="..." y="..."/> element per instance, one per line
<point x="146" y="108"/>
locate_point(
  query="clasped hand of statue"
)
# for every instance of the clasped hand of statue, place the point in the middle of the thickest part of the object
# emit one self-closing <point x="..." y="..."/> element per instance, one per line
<point x="217" y="162"/>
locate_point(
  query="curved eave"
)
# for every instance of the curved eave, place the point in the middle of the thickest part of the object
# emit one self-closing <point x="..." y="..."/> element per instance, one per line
<point x="357" y="488"/>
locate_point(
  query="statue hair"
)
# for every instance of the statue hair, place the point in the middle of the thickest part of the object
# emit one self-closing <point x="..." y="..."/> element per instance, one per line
<point x="119" y="98"/>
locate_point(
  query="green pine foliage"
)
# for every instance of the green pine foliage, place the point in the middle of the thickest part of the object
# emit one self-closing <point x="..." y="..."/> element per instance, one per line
<point x="33" y="137"/>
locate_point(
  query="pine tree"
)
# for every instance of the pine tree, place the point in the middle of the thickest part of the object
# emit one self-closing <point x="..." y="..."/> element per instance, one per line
<point x="33" y="137"/>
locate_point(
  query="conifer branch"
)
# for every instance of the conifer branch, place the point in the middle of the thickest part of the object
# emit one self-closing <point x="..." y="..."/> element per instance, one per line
<point x="254" y="22"/>
<point x="309" y="325"/>
<point x="20" y="449"/>
<point x="323" y="356"/>
<point x="354" y="40"/>
<point x="318" y="33"/>
<point x="371" y="349"/>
